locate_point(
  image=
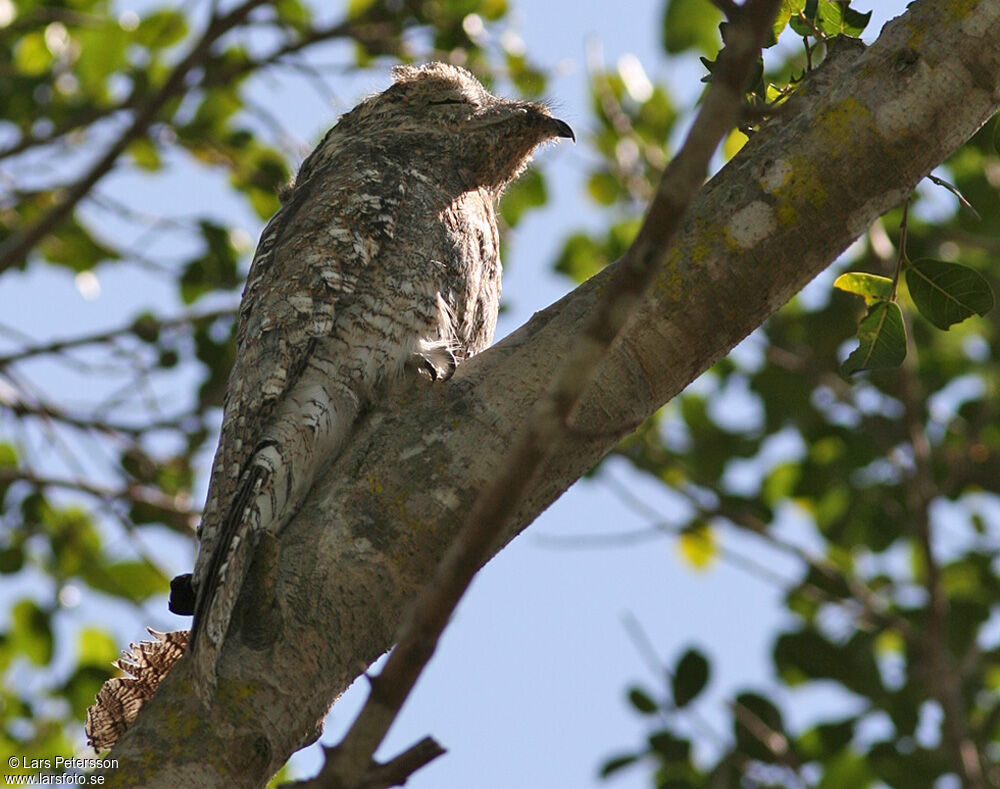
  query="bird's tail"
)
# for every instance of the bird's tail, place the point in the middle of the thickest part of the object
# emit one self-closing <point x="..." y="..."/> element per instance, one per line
<point x="226" y="573"/>
<point x="308" y="429"/>
<point x="145" y="664"/>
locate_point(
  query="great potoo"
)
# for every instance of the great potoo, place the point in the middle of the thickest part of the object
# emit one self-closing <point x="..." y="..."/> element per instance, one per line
<point x="383" y="257"/>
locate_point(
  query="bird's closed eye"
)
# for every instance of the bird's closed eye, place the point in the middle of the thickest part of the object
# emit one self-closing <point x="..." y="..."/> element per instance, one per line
<point x="446" y="101"/>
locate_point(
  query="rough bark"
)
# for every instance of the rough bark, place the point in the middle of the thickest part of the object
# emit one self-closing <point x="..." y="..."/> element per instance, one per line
<point x="863" y="133"/>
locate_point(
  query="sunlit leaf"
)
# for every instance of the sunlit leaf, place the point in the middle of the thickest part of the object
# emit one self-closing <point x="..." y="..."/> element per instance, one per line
<point x="145" y="154"/>
<point x="691" y="24"/>
<point x="733" y="143"/>
<point x="161" y="28"/>
<point x="605" y="188"/>
<point x="31" y="55"/>
<point x="697" y="546"/>
<point x="871" y="287"/>
<point x="95" y="646"/>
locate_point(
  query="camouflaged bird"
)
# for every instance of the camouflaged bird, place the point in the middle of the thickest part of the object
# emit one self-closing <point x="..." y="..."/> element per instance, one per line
<point x="384" y="256"/>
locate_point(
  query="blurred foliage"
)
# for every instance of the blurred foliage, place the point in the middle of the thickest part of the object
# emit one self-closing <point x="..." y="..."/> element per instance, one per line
<point x="884" y="492"/>
<point x="164" y="87"/>
<point x="890" y="475"/>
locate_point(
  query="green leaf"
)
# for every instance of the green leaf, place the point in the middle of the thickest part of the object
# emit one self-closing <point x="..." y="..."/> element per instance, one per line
<point x="617" y="763"/>
<point x="883" y="340"/>
<point x="604" y="188"/>
<point x="83" y="685"/>
<point x="871" y="287"/>
<point x="217" y="268"/>
<point x="833" y="19"/>
<point x="8" y="459"/>
<point x="691" y="24"/>
<point x="642" y="701"/>
<point x="294" y="13"/>
<point x="690" y="677"/>
<point x="529" y="80"/>
<point x="31" y="632"/>
<point x="95" y="646"/>
<point x="133" y="580"/>
<point x="996" y="133"/>
<point x="145" y="154"/>
<point x="781" y="20"/>
<point x="31" y="56"/>
<point x="669" y="746"/>
<point x="948" y="293"/>
<point x="73" y="246"/>
<point x="162" y="28"/>
<point x="754" y="716"/>
<point x="102" y="53"/>
<point x="356" y="8"/>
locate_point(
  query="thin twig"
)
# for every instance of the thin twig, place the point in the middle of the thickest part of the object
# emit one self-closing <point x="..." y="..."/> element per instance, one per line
<point x="901" y="255"/>
<point x="140" y="494"/>
<point x="381" y="776"/>
<point x="145" y="324"/>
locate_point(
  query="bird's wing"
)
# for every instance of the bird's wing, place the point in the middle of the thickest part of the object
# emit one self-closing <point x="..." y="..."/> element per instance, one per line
<point x="307" y="266"/>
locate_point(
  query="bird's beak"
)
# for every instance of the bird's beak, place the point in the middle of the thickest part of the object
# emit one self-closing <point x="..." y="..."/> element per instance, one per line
<point x="562" y="129"/>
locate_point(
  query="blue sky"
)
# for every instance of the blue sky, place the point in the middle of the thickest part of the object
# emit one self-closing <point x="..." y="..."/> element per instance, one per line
<point x="528" y="685"/>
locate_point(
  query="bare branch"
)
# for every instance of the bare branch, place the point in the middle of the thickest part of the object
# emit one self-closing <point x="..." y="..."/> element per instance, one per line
<point x="381" y="776"/>
<point x="140" y="494"/>
<point x="144" y="324"/>
<point x="54" y="413"/>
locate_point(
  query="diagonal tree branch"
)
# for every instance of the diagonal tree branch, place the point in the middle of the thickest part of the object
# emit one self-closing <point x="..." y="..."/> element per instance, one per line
<point x="866" y="129"/>
<point x="549" y="422"/>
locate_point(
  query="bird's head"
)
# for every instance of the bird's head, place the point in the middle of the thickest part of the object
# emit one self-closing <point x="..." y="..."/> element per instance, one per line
<point x="444" y="111"/>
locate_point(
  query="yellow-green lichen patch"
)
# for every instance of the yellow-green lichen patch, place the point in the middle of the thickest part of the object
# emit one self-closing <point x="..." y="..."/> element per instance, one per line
<point x="804" y="188"/>
<point x="669" y="284"/>
<point x="962" y="9"/>
<point x="839" y="122"/>
<point x="787" y="215"/>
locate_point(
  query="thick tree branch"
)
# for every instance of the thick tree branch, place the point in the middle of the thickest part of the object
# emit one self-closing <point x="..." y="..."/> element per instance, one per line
<point x="549" y="423"/>
<point x="866" y="129"/>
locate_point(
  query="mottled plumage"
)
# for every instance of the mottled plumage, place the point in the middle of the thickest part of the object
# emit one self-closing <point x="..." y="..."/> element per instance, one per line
<point x="383" y="256"/>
